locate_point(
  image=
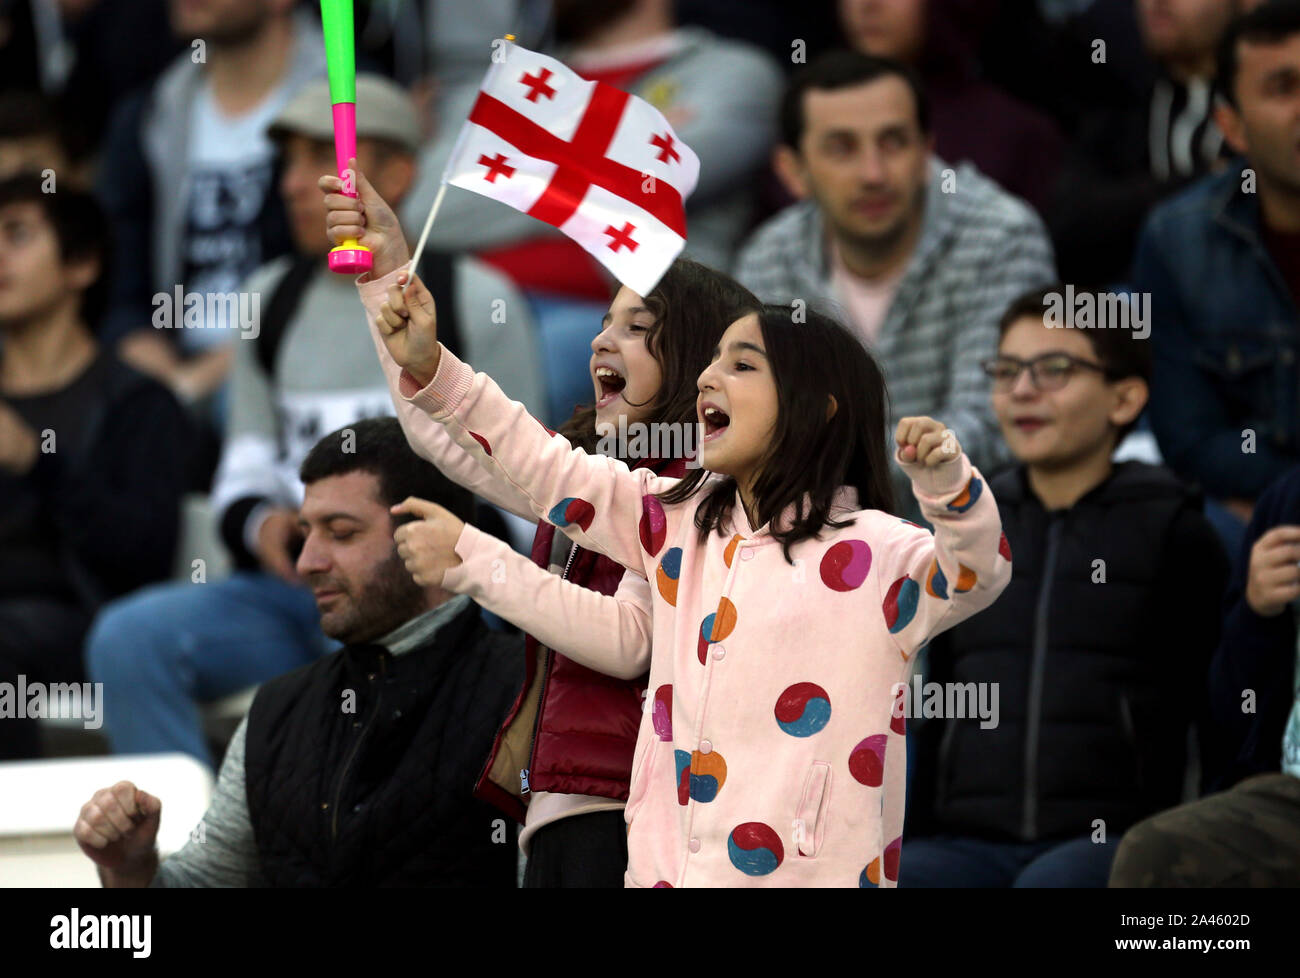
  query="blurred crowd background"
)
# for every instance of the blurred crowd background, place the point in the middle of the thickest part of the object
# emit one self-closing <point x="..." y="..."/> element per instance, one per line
<point x="169" y="151"/>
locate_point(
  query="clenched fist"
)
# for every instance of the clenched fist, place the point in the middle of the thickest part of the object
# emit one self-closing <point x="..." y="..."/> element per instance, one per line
<point x="926" y="441"/>
<point x="117" y="829"/>
<point x="427" y="545"/>
<point x="408" y="323"/>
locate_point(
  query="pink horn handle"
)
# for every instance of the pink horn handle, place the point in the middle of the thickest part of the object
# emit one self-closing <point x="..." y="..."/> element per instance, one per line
<point x="349" y="258"/>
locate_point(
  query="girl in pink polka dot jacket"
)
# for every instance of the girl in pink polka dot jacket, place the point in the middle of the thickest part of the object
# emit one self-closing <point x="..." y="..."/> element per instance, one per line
<point x="788" y="603"/>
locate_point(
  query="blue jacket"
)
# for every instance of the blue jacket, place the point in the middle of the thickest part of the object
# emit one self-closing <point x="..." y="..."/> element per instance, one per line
<point x="1255" y="653"/>
<point x="1226" y="335"/>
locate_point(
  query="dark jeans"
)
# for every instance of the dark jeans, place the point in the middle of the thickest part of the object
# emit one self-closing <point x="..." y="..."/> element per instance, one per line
<point x="1248" y="835"/>
<point x="40" y="639"/>
<point x="579" y="851"/>
<point x="950" y="861"/>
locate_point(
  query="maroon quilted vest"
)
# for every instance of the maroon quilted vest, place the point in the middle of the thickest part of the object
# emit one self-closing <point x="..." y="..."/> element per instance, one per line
<point x="586" y="722"/>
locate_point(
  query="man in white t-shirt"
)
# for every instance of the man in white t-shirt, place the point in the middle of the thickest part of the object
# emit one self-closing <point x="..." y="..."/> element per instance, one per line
<point x="231" y="164"/>
<point x="188" y="182"/>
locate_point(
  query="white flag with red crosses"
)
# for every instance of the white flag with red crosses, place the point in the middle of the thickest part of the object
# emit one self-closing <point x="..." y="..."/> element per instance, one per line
<point x="601" y="165"/>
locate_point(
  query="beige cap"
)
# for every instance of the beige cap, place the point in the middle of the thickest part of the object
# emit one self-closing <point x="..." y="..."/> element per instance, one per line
<point x="384" y="111"/>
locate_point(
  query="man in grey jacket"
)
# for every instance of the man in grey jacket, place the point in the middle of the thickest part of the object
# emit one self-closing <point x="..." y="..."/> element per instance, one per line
<point x="918" y="258"/>
<point x="310" y="369"/>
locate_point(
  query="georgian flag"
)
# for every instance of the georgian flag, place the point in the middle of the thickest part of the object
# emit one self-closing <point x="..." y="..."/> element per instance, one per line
<point x="601" y="165"/>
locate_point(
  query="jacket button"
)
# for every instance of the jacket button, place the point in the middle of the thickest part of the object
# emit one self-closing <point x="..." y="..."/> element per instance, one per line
<point x="371" y="677"/>
<point x="719" y="653"/>
<point x="706" y="746"/>
<point x="397" y="714"/>
<point x="324" y="806"/>
<point x="747" y="553"/>
<point x="694" y="845"/>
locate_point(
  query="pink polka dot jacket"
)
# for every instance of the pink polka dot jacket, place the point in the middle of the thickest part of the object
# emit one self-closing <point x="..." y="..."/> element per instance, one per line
<point x="769" y="752"/>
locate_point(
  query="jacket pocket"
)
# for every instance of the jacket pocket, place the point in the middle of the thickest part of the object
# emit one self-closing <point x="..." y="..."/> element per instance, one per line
<point x="642" y="768"/>
<point x="810" y="817"/>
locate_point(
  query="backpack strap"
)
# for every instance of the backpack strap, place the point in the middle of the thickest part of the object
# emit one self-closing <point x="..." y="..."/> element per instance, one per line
<point x="437" y="271"/>
<point x="279" y="311"/>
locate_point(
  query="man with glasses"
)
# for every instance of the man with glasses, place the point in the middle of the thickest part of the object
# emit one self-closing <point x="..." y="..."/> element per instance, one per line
<point x="1099" y="647"/>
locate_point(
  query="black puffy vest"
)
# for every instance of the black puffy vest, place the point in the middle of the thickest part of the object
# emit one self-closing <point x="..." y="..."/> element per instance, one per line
<point x="383" y="795"/>
<point x="1093" y="720"/>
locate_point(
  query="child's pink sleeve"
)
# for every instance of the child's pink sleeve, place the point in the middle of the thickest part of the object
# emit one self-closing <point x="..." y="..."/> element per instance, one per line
<point x="427" y="438"/>
<point x="930" y="582"/>
<point x="608" y="633"/>
<point x="597" y="501"/>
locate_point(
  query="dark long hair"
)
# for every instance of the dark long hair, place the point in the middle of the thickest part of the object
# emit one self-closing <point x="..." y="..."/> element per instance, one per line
<point x="810" y="457"/>
<point x="692" y="307"/>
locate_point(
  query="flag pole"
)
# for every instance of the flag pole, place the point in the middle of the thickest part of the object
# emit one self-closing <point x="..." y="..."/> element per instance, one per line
<point x="424" y="235"/>
<point x="428" y="221"/>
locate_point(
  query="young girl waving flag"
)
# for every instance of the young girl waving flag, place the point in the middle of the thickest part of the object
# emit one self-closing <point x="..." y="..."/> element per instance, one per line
<point x="566" y="747"/>
<point x="788" y="603"/>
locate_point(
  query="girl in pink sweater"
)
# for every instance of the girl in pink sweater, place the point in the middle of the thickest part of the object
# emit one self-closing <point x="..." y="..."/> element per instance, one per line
<point x="566" y="748"/>
<point x="788" y="603"/>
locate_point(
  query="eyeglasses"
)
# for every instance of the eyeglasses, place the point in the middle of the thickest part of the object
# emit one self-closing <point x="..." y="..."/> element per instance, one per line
<point x="1049" y="372"/>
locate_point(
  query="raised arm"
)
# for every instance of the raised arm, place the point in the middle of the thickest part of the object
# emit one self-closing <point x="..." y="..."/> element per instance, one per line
<point x="930" y="582"/>
<point x="608" y="633"/>
<point x="368" y="218"/>
<point x="597" y="501"/>
<point x="428" y="438"/>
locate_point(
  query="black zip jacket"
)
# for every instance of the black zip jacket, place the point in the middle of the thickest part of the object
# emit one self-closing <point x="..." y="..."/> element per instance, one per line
<point x="1100" y="647"/>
